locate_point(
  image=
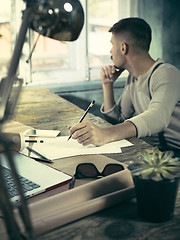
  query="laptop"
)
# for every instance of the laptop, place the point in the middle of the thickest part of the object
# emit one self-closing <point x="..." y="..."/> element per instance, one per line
<point x="34" y="176"/>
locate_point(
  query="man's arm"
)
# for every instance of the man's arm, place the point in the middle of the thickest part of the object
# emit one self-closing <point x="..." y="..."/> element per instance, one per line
<point x="109" y="75"/>
<point x="162" y="111"/>
<point x="88" y="133"/>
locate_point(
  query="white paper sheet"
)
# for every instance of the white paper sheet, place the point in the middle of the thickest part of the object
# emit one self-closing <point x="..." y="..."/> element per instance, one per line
<point x="60" y="148"/>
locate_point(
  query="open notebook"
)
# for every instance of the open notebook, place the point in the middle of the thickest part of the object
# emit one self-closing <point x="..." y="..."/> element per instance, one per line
<point x="35" y="177"/>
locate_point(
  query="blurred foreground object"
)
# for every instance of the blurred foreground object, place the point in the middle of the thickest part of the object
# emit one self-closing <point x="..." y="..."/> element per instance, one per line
<point x="58" y="19"/>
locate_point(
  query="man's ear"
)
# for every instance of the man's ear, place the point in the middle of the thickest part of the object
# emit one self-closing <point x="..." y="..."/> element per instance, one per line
<point x="124" y="48"/>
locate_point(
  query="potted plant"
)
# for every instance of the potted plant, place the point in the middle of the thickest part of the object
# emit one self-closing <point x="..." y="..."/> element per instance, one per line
<point x="156" y="178"/>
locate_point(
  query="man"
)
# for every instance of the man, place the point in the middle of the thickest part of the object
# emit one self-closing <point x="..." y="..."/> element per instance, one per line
<point x="149" y="107"/>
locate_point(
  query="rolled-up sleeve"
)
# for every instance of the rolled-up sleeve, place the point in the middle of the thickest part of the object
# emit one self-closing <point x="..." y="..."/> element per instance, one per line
<point x="112" y="113"/>
<point x="123" y="109"/>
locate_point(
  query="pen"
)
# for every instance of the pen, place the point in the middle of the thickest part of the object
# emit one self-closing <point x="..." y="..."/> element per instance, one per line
<point x="85" y="113"/>
<point x="43" y="158"/>
<point x="34" y="141"/>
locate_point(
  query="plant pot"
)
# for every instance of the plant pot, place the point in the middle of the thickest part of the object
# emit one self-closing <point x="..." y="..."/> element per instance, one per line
<point x="156" y="200"/>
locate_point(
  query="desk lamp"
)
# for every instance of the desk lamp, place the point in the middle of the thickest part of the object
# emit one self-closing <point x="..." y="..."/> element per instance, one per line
<point x="57" y="19"/>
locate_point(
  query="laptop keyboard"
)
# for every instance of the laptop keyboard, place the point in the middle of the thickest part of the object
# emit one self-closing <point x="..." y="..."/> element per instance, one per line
<point x="27" y="185"/>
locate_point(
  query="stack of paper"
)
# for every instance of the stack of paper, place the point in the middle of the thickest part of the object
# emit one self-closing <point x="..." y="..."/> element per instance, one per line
<point x="54" y="148"/>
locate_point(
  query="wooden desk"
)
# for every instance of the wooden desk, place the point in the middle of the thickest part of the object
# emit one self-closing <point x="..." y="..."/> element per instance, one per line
<point x="42" y="109"/>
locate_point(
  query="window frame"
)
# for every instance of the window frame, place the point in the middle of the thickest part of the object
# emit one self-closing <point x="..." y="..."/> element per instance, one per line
<point x="80" y="69"/>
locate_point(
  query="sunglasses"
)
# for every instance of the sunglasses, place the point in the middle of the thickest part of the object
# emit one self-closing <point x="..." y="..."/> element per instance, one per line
<point x="89" y="170"/>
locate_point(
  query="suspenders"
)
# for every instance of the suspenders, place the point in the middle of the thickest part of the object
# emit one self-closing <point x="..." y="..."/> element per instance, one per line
<point x="162" y="140"/>
<point x="150" y="78"/>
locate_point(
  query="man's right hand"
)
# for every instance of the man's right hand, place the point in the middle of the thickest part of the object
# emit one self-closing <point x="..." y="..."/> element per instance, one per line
<point x="109" y="74"/>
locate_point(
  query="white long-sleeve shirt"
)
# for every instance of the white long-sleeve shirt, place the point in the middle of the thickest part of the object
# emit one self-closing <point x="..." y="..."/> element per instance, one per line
<point x="161" y="113"/>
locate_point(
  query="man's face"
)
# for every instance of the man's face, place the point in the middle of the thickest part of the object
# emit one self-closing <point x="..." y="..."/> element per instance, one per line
<point x="116" y="54"/>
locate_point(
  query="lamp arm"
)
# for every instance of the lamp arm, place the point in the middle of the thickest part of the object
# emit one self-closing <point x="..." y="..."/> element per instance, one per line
<point x="18" y="50"/>
<point x="10" y="221"/>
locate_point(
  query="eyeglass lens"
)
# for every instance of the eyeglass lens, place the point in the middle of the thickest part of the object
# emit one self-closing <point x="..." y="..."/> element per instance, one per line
<point x="87" y="170"/>
<point x="90" y="170"/>
<point x="112" y="168"/>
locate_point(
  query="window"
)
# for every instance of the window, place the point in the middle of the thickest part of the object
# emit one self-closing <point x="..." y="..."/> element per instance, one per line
<point x="101" y="16"/>
<point x="62" y="62"/>
<point x="5" y="37"/>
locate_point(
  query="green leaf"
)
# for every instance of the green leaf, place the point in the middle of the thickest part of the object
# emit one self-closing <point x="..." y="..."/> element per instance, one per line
<point x="147" y="173"/>
<point x="155" y="159"/>
<point x="171" y="169"/>
<point x="157" y="177"/>
<point x="145" y="155"/>
<point x="136" y="170"/>
<point x="168" y="175"/>
<point x="174" y="160"/>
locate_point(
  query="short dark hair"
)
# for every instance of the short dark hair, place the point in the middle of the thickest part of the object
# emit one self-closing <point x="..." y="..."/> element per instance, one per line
<point x="138" y="30"/>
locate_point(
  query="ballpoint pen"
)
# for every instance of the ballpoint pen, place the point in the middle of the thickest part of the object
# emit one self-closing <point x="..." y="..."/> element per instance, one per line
<point x="42" y="158"/>
<point x="34" y="141"/>
<point x="83" y="116"/>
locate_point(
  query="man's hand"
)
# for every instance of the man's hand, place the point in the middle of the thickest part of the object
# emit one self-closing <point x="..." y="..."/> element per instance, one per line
<point x="109" y="74"/>
<point x="88" y="133"/>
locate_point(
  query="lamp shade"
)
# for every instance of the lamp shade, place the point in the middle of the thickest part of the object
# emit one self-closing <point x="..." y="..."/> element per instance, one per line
<point x="58" y="19"/>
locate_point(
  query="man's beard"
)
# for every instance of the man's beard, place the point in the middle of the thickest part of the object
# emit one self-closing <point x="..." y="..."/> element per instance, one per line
<point x="118" y="68"/>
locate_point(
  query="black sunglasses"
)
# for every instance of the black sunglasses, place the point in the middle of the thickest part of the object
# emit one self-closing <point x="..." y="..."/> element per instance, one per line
<point x="89" y="170"/>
